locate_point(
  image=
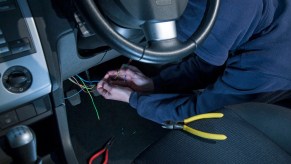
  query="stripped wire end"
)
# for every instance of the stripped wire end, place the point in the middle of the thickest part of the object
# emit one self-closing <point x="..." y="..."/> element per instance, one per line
<point x="117" y="76"/>
<point x="122" y="66"/>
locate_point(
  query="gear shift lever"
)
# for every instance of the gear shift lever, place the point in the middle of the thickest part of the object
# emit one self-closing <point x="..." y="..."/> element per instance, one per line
<point x="22" y="145"/>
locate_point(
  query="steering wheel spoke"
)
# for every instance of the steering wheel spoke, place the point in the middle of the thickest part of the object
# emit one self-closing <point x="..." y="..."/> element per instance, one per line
<point x="160" y="30"/>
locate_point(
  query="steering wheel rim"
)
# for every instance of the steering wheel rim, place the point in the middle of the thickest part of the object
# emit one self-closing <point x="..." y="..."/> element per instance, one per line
<point x="168" y="51"/>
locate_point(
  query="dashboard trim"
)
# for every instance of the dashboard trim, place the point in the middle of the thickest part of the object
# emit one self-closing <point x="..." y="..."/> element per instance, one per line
<point x="35" y="63"/>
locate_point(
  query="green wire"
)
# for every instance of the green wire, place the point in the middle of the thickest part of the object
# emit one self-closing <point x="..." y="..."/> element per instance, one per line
<point x="91" y="99"/>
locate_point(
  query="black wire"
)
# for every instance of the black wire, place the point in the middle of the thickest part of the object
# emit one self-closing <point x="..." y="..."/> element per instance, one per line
<point x="102" y="57"/>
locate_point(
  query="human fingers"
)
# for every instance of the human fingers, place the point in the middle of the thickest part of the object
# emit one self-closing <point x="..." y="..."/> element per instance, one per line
<point x="100" y="88"/>
<point x="114" y="92"/>
<point x="129" y="73"/>
<point x="123" y="69"/>
<point x="104" y="85"/>
<point x="121" y="74"/>
<point x="110" y="74"/>
<point x="106" y="90"/>
<point x="101" y="83"/>
<point x="131" y="67"/>
<point x="120" y="82"/>
<point x="107" y="86"/>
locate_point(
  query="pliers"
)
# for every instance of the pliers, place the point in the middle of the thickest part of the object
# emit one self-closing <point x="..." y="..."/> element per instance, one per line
<point x="183" y="126"/>
<point x="105" y="149"/>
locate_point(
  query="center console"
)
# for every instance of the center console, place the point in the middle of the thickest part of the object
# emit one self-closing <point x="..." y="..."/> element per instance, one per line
<point x="24" y="75"/>
<point x="30" y="81"/>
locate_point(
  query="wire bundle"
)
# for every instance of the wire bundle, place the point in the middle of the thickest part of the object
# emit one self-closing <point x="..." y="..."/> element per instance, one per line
<point x="85" y="88"/>
<point x="92" y="85"/>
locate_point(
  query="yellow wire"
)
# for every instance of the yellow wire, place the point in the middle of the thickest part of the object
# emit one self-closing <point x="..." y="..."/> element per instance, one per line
<point x="76" y="81"/>
<point x="83" y="87"/>
<point x="92" y="100"/>
<point x="122" y="66"/>
<point x="71" y="80"/>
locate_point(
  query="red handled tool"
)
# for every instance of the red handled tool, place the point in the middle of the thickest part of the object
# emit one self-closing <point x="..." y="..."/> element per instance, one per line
<point x="105" y="149"/>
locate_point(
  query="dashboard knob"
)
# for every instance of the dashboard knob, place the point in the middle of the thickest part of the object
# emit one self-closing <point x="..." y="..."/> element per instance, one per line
<point x="17" y="79"/>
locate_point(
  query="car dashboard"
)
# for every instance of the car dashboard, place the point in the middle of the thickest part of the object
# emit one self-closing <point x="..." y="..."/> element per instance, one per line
<point x="46" y="43"/>
<point x="38" y="51"/>
<point x="24" y="72"/>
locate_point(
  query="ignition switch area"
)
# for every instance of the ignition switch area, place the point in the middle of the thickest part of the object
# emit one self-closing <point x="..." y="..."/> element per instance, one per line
<point x="17" y="79"/>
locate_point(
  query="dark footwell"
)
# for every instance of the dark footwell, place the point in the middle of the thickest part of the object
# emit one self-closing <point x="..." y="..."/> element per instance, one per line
<point x="133" y="133"/>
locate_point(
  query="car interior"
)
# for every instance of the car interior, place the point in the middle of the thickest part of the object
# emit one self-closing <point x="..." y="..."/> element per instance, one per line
<point x="54" y="52"/>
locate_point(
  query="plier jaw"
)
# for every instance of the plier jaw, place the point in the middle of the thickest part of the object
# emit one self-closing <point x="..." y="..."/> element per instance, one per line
<point x="109" y="143"/>
<point x="173" y="125"/>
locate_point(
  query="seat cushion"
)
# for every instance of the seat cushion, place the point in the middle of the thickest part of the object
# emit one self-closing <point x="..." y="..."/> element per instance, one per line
<point x="257" y="133"/>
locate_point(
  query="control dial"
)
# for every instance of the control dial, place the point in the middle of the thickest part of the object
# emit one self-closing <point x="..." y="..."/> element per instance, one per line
<point x="17" y="79"/>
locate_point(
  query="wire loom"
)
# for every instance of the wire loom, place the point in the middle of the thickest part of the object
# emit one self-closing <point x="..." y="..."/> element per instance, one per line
<point x="85" y="88"/>
<point x="92" y="85"/>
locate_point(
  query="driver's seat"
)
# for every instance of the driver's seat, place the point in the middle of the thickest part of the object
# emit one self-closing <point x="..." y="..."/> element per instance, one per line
<point x="257" y="133"/>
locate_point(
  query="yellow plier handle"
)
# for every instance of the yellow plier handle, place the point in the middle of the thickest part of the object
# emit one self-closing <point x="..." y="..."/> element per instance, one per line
<point x="200" y="133"/>
<point x="204" y="134"/>
<point x="203" y="116"/>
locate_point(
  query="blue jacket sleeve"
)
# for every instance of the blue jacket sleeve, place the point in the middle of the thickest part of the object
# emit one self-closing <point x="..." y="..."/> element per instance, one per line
<point x="186" y="76"/>
<point x="233" y="87"/>
<point x="177" y="107"/>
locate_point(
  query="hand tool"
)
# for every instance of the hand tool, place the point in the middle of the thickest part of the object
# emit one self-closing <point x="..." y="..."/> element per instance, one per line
<point x="183" y="126"/>
<point x="105" y="149"/>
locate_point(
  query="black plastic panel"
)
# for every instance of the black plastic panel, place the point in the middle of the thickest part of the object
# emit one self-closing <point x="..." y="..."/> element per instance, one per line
<point x="14" y="32"/>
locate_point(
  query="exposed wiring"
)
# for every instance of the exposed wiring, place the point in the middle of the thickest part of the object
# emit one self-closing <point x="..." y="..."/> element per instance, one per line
<point x="83" y="87"/>
<point x="127" y="64"/>
<point x="123" y="66"/>
<point x="92" y="100"/>
<point x="87" y="81"/>
<point x="73" y="81"/>
<point x="74" y="94"/>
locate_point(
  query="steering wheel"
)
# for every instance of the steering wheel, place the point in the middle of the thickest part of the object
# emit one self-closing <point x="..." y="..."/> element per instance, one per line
<point x="157" y="20"/>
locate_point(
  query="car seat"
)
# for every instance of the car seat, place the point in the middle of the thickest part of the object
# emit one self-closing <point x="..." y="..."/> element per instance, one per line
<point x="257" y="133"/>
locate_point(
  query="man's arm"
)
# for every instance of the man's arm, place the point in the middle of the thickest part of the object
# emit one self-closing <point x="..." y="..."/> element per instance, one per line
<point x="177" y="107"/>
<point x="194" y="73"/>
<point x="235" y="86"/>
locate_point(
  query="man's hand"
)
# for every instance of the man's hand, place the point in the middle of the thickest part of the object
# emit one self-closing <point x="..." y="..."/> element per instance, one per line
<point x="113" y="92"/>
<point x="119" y="84"/>
<point x="131" y="77"/>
